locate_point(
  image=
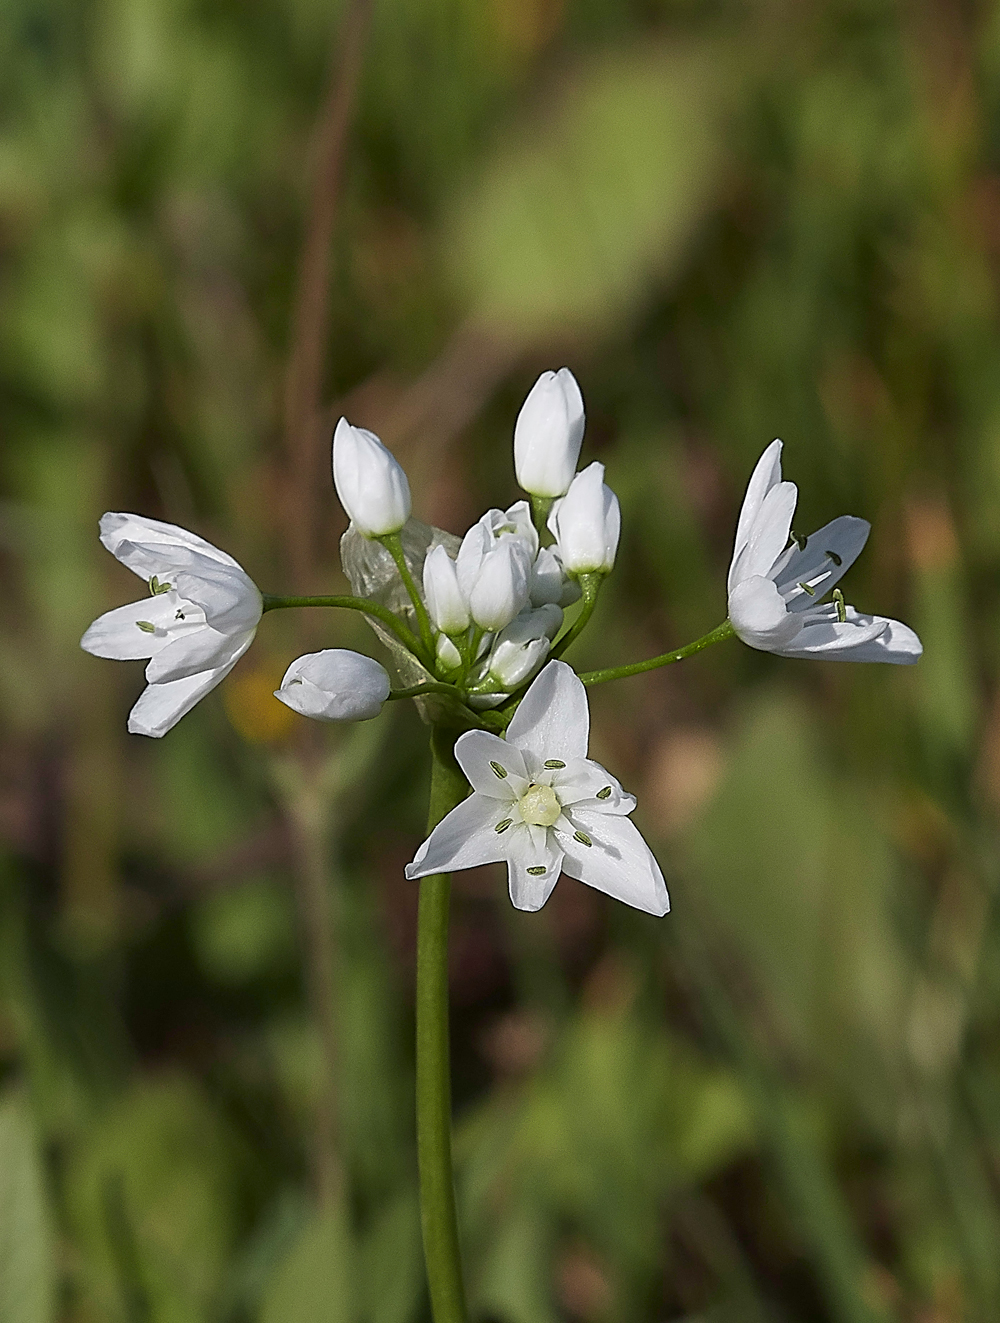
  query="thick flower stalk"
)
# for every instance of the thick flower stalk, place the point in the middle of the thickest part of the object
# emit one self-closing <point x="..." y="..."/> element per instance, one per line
<point x="475" y="629"/>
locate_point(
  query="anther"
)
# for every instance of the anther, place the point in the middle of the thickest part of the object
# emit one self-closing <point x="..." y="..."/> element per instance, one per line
<point x="583" y="838"/>
<point x="156" y="588"/>
<point x="837" y="560"/>
<point x="605" y="793"/>
<point x="500" y="771"/>
<point x="806" y="589"/>
<point x="146" y="626"/>
<point x="554" y="762"/>
<point x="539" y="870"/>
<point x="838" y="601"/>
<point x="502" y="826"/>
<point x="179" y="615"/>
<point x="801" y="541"/>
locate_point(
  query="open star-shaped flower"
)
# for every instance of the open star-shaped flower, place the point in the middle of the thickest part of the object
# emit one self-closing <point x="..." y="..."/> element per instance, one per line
<point x="775" y="589"/>
<point x="540" y="804"/>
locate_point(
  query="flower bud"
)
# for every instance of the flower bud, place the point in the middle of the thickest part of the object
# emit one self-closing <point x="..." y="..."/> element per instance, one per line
<point x="522" y="647"/>
<point x="500" y="588"/>
<point x="370" y="482"/>
<point x="335" y="685"/>
<point x="448" y="656"/>
<point x="446" y="604"/>
<point x="586" y="524"/>
<point x="548" y="434"/>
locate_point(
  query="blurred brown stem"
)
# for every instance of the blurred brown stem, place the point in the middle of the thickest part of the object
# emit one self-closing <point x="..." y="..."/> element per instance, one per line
<point x="311" y="312"/>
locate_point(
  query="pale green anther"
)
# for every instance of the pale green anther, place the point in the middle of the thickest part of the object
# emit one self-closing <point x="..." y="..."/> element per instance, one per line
<point x="156" y="588"/>
<point x="583" y="838"/>
<point x="554" y="762"/>
<point x="806" y="589"/>
<point x="538" y="870"/>
<point x="837" y="560"/>
<point x="838" y="599"/>
<point x="500" y="771"/>
<point x="605" y="793"/>
<point x="146" y="626"/>
<point x="502" y="826"/>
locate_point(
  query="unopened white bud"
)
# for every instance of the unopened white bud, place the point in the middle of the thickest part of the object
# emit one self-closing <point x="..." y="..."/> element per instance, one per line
<point x="446" y="604"/>
<point x="522" y="647"/>
<point x="586" y="524"/>
<point x="501" y="587"/>
<point x="548" y="434"/>
<point x="370" y="482"/>
<point x="335" y="685"/>
<point x="449" y="657"/>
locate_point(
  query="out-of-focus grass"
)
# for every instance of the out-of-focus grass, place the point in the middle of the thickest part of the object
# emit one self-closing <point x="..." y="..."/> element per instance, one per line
<point x="780" y="1103"/>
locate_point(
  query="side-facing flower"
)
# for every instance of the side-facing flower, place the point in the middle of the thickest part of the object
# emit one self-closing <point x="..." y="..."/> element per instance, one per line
<point x="542" y="806"/>
<point x="521" y="648"/>
<point x="199" y="619"/>
<point x="548" y="434"/>
<point x="774" y="588"/>
<point x="335" y="685"/>
<point x="370" y="481"/>
<point x="587" y="523"/>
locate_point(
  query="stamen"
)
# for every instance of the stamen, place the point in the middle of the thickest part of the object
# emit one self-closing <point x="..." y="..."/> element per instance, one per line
<point x="838" y="598"/>
<point x="605" y="793"/>
<point x="797" y="538"/>
<point x="500" y="771"/>
<point x="179" y="615"/>
<point x="502" y="826"/>
<point x="538" y="870"/>
<point x="554" y="762"/>
<point x="806" y="589"/>
<point x="156" y="588"/>
<point x="583" y="838"/>
<point x="146" y="626"/>
<point x="837" y="560"/>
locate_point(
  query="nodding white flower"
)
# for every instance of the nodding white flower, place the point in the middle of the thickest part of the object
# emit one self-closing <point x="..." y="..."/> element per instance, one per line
<point x="335" y="685"/>
<point x="548" y="434"/>
<point x="198" y="621"/>
<point x="494" y="571"/>
<point x="587" y="523"/>
<point x="542" y="806"/>
<point x="370" y="481"/>
<point x="521" y="648"/>
<point x="446" y="603"/>
<point x="774" y="589"/>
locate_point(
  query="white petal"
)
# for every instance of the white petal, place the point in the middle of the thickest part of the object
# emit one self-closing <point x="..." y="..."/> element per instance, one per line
<point x="465" y="838"/>
<point x="117" y="634"/>
<point x="619" y="862"/>
<point x="133" y="528"/>
<point x="203" y="649"/>
<point x="553" y="719"/>
<point x="230" y="599"/>
<point x="861" y="638"/>
<point x="768" y="535"/>
<point x="581" y="783"/>
<point x="161" y="706"/>
<point x="759" y="616"/>
<point x="766" y="474"/>
<point x="844" y="537"/>
<point x="530" y="891"/>
<point x="477" y="750"/>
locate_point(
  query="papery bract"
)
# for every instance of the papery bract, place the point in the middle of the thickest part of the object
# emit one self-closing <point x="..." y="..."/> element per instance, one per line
<point x="548" y="434"/>
<point x="199" y="620"/>
<point x="335" y="685"/>
<point x="370" y="482"/>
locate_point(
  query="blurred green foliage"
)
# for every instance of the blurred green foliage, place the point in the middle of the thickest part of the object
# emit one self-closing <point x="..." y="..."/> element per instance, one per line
<point x="734" y="220"/>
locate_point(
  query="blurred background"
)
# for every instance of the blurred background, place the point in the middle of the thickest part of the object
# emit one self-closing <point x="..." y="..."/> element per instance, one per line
<point x="221" y="226"/>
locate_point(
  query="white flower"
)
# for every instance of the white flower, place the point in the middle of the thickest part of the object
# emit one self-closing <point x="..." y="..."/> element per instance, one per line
<point x="520" y="649"/>
<point x="494" y="569"/>
<point x="774" y="589"/>
<point x="198" y="621"/>
<point x="548" y="434"/>
<point x="447" y="605"/>
<point x="370" y="482"/>
<point x="543" y="806"/>
<point x="335" y="685"/>
<point x="586" y="523"/>
<point x="549" y="582"/>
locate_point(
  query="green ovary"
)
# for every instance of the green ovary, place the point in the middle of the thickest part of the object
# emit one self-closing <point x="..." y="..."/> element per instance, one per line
<point x="539" y="806"/>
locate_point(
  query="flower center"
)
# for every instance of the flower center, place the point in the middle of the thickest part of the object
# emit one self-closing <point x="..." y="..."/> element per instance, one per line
<point x="539" y="806"/>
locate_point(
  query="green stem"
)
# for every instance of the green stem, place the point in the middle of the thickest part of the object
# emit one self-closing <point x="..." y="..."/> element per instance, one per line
<point x="394" y="545"/>
<point x="429" y="687"/>
<point x="437" y="1186"/>
<point x="590" y="586"/>
<point x="405" y="635"/>
<point x="723" y="631"/>
<point x="541" y="507"/>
